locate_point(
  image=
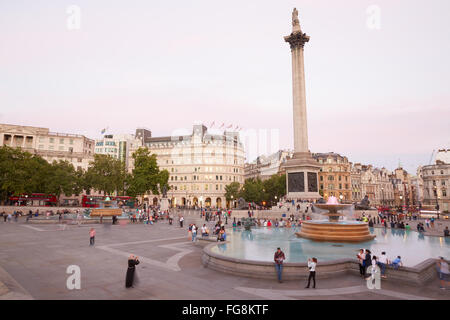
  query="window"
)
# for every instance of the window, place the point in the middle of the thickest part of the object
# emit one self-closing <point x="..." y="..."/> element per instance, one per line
<point x="444" y="192"/>
<point x="340" y="185"/>
<point x="41" y="146"/>
<point x="61" y="141"/>
<point x="52" y="140"/>
<point x="321" y="178"/>
<point x="443" y="182"/>
<point x="51" y="147"/>
<point x="71" y="141"/>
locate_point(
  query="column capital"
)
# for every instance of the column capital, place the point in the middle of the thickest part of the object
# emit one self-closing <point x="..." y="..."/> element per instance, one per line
<point x="297" y="39"/>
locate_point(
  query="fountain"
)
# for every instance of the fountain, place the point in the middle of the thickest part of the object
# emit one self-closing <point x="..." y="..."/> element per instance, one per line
<point x="107" y="208"/>
<point x="334" y="229"/>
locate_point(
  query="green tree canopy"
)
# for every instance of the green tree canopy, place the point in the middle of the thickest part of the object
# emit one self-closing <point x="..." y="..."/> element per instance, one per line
<point x="232" y="191"/>
<point x="146" y="176"/>
<point x="105" y="174"/>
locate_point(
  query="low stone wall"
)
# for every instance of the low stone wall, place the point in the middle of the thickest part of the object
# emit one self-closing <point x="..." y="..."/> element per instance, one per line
<point x="42" y="210"/>
<point x="418" y="275"/>
<point x="278" y="214"/>
<point x="56" y="221"/>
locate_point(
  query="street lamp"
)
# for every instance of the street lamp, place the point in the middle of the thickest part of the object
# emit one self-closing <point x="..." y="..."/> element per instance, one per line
<point x="341" y="197"/>
<point x="382" y="193"/>
<point x="232" y="201"/>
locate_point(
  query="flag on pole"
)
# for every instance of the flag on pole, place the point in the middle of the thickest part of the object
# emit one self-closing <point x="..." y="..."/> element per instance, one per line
<point x="222" y="126"/>
<point x="212" y="124"/>
<point x="230" y="126"/>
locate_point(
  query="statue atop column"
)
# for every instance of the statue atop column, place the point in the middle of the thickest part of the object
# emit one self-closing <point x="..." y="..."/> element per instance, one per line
<point x="295" y="21"/>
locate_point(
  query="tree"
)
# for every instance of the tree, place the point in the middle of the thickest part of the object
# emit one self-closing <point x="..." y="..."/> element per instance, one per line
<point x="252" y="190"/>
<point x="274" y="187"/>
<point x="146" y="176"/>
<point x="21" y="172"/>
<point x="232" y="191"/>
<point x="255" y="190"/>
<point x="62" y="178"/>
<point x="105" y="174"/>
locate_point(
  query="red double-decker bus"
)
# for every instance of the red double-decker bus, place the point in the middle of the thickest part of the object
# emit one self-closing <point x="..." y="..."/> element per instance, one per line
<point x="34" y="199"/>
<point x="93" y="201"/>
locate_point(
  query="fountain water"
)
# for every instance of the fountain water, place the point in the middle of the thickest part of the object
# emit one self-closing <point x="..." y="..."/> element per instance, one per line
<point x="334" y="229"/>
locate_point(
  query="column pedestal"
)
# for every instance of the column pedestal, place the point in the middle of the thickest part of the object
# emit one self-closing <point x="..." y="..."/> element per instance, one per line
<point x="302" y="177"/>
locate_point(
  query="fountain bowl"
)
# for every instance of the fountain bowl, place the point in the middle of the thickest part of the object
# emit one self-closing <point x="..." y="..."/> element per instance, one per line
<point x="333" y="229"/>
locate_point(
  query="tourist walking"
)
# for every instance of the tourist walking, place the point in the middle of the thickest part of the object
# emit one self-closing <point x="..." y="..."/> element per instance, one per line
<point x="312" y="272"/>
<point x="204" y="231"/>
<point x="194" y="233"/>
<point x="444" y="273"/>
<point x="132" y="263"/>
<point x="181" y="221"/>
<point x="279" y="257"/>
<point x="92" y="237"/>
<point x="446" y="232"/>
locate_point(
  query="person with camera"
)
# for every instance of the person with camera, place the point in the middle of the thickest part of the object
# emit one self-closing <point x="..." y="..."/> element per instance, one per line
<point x="312" y="262"/>
<point x="132" y="262"/>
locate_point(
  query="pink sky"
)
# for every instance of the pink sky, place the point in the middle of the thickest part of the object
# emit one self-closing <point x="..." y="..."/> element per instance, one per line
<point x="376" y="96"/>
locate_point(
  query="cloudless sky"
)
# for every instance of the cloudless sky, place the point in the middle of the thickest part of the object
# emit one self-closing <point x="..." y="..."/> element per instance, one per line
<point x="377" y="96"/>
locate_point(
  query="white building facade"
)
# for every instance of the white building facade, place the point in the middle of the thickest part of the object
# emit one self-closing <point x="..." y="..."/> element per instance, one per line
<point x="121" y="146"/>
<point x="74" y="148"/>
<point x="200" y="165"/>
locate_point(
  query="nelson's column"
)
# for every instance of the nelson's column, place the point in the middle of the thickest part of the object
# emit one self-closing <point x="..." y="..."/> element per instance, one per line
<point x="301" y="170"/>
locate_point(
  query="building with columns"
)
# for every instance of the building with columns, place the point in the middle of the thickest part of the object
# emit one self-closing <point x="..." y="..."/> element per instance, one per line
<point x="334" y="176"/>
<point x="373" y="182"/>
<point x="436" y="181"/>
<point x="200" y="165"/>
<point x="405" y="192"/>
<point x="266" y="166"/>
<point x="74" y="148"/>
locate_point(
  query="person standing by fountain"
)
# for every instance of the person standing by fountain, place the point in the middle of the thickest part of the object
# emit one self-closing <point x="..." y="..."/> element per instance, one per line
<point x="279" y="257"/>
<point x="361" y="256"/>
<point x="312" y="272"/>
<point x="367" y="261"/>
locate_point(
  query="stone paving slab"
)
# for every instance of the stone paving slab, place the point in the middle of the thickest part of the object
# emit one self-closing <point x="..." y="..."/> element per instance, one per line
<point x="37" y="260"/>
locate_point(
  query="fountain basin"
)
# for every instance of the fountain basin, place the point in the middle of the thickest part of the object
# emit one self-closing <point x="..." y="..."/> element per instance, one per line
<point x="345" y="231"/>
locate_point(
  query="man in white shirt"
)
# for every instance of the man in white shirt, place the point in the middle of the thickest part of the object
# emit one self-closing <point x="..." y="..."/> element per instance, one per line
<point x="382" y="262"/>
<point x="204" y="231"/>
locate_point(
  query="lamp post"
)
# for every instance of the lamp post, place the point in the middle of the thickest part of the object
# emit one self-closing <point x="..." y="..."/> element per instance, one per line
<point x="437" y="203"/>
<point x="232" y="201"/>
<point x="382" y="193"/>
<point x="341" y="197"/>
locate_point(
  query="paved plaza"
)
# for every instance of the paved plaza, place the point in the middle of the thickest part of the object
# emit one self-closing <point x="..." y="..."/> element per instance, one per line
<point x="34" y="259"/>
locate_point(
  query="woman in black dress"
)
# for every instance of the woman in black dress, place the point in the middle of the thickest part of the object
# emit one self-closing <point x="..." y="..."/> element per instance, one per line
<point x="132" y="262"/>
